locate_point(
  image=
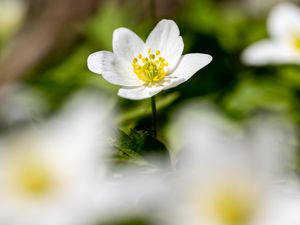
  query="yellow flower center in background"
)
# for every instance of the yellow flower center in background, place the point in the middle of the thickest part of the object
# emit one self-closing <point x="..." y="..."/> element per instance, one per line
<point x="150" y="69"/>
<point x="233" y="208"/>
<point x="296" y="41"/>
<point x="33" y="178"/>
<point x="229" y="203"/>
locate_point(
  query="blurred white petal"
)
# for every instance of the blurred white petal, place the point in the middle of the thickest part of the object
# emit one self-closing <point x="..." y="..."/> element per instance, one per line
<point x="12" y="13"/>
<point x="283" y="20"/>
<point x="268" y="52"/>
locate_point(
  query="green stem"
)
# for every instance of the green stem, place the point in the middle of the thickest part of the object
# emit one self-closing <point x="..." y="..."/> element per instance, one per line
<point x="154" y="121"/>
<point x="153" y="103"/>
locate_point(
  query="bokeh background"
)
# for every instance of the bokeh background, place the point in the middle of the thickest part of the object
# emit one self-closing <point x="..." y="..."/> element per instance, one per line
<point x="44" y="46"/>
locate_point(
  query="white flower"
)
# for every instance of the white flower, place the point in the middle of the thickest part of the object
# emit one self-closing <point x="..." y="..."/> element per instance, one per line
<point x="144" y="69"/>
<point x="229" y="176"/>
<point x="51" y="175"/>
<point x="283" y="47"/>
<point x="12" y="12"/>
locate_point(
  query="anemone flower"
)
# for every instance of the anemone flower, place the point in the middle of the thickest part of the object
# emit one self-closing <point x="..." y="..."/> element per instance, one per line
<point x="143" y="69"/>
<point x="52" y="174"/>
<point x="283" y="46"/>
<point x="230" y="176"/>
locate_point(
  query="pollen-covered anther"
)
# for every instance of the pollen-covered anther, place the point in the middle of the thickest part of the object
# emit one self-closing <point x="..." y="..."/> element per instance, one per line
<point x="150" y="69"/>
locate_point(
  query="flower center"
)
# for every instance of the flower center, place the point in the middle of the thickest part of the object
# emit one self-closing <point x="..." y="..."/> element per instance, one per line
<point x="229" y="202"/>
<point x="296" y="43"/>
<point x="33" y="178"/>
<point x="150" y="69"/>
<point x="232" y="208"/>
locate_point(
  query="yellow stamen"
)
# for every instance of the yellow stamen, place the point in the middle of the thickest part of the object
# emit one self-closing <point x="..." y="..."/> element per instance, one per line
<point x="150" y="69"/>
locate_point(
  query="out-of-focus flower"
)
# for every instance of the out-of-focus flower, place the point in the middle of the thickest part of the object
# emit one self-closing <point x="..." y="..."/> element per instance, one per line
<point x="52" y="175"/>
<point x="284" y="43"/>
<point x="11" y="14"/>
<point x="229" y="176"/>
<point x="145" y="69"/>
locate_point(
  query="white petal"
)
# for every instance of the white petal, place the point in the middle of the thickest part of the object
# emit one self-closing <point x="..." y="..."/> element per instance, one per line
<point x="139" y="92"/>
<point x="284" y="21"/>
<point x="113" y="69"/>
<point x="82" y="125"/>
<point x="268" y="52"/>
<point x="188" y="65"/>
<point x="127" y="44"/>
<point x="165" y="38"/>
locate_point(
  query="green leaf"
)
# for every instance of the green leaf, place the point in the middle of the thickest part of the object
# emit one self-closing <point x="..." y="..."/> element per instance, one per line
<point x="290" y="75"/>
<point x="253" y="95"/>
<point x="139" y="147"/>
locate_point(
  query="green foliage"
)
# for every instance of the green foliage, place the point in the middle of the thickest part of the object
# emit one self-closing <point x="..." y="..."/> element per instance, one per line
<point x="139" y="147"/>
<point x="100" y="28"/>
<point x="127" y="221"/>
<point x="262" y="94"/>
<point x="290" y="76"/>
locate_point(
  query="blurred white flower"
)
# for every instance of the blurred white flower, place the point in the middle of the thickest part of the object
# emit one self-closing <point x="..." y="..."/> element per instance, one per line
<point x="11" y="14"/>
<point x="283" y="47"/>
<point x="229" y="176"/>
<point x="144" y="69"/>
<point x="52" y="175"/>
